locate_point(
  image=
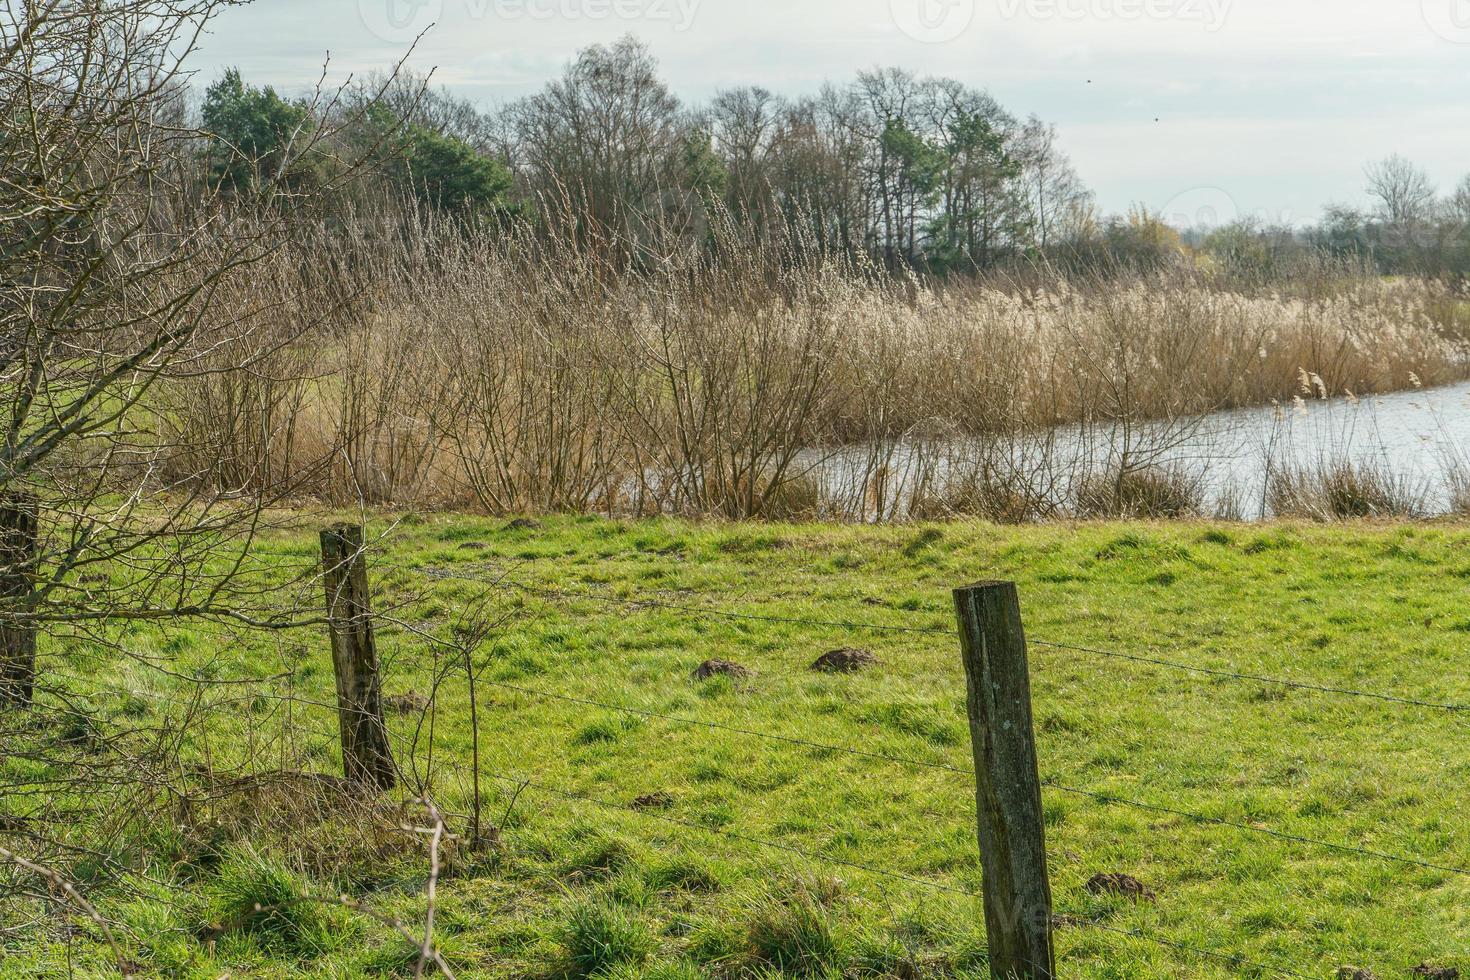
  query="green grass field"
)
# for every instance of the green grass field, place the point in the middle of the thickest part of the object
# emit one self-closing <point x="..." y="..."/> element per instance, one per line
<point x="681" y="890"/>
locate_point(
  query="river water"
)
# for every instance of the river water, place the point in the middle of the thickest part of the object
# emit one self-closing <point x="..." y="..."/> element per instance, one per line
<point x="1420" y="437"/>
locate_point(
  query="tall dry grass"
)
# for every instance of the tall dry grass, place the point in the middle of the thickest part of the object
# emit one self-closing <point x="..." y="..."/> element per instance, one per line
<point x="519" y="370"/>
<point x="1343" y="489"/>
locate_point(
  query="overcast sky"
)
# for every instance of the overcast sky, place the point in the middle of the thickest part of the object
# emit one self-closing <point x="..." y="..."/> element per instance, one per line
<point x="1193" y="107"/>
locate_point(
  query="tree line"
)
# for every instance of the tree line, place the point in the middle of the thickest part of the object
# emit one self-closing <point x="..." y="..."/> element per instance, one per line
<point x="908" y="171"/>
<point x="912" y="171"/>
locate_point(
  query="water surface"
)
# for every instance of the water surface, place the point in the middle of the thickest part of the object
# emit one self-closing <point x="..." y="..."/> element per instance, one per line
<point x="1419" y="436"/>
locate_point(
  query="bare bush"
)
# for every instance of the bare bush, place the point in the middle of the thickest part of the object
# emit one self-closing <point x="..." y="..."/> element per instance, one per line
<point x="1152" y="493"/>
<point x="1340" y="489"/>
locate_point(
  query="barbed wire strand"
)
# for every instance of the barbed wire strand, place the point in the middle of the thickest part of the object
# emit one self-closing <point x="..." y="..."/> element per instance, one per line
<point x="1111" y="800"/>
<point x="1100" y="797"/>
<point x="563" y="594"/>
<point x="820" y="858"/>
<point x="632" y="603"/>
<point x="1255" y="678"/>
<point x="1105" y="798"/>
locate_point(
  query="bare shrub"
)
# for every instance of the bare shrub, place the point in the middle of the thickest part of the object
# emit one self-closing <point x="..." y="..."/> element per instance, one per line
<point x="1152" y="492"/>
<point x="728" y="372"/>
<point x="1341" y="489"/>
<point x="986" y="493"/>
<point x="1457" y="480"/>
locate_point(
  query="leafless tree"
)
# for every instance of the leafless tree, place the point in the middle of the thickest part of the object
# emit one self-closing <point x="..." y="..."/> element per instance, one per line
<point x="1404" y="191"/>
<point x="746" y="125"/>
<point x="117" y="255"/>
<point x="606" y="133"/>
<point x="1460" y="202"/>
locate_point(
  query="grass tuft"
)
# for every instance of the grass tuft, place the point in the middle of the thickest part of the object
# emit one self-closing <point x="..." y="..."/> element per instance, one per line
<point x="258" y="896"/>
<point x="682" y="874"/>
<point x="1343" y="490"/>
<point x="797" y="932"/>
<point x="599" y="936"/>
<point x="1153" y="493"/>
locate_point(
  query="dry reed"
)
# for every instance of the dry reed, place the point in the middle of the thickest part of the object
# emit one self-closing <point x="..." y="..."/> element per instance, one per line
<point x="522" y="372"/>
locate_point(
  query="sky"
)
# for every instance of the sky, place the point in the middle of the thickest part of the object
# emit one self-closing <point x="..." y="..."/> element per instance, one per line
<point x="1202" y="110"/>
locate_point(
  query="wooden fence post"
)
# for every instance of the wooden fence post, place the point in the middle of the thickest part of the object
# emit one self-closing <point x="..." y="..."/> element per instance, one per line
<point x="18" y="550"/>
<point x="1017" y="892"/>
<point x="366" y="756"/>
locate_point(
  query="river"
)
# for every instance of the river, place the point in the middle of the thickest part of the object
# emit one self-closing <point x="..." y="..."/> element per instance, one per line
<point x="1421" y="437"/>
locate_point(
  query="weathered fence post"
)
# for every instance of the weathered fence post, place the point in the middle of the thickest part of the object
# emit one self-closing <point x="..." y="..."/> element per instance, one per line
<point x="18" y="531"/>
<point x="366" y="756"/>
<point x="1017" y="893"/>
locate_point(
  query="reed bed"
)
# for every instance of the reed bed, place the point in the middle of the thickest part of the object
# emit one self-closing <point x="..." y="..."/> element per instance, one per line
<point x="424" y="363"/>
<point x="1342" y="489"/>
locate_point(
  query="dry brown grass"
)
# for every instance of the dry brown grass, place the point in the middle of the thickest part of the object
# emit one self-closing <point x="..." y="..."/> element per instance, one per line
<point x="1341" y="489"/>
<point x="521" y="373"/>
<point x="1148" y="493"/>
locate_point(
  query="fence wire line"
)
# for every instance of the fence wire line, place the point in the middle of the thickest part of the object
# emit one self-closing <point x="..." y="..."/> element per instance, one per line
<point x="1104" y="798"/>
<point x="1257" y="678"/>
<point x="631" y="603"/>
<point x="564" y="594"/>
<point x="1100" y="797"/>
<point x="1264" y="831"/>
<point x="820" y="858"/>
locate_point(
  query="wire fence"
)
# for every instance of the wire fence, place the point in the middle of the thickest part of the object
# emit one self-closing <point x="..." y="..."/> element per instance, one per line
<point x="706" y="610"/>
<point x="709" y="609"/>
<point x="714" y="612"/>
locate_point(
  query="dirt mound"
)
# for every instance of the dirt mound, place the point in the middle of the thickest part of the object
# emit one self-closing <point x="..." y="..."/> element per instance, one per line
<point x="405" y="704"/>
<point x="845" y="661"/>
<point x="1436" y="972"/>
<point x="653" y="801"/>
<point x="1119" y="884"/>
<point x="726" y="668"/>
<point x="1355" y="973"/>
<point x="523" y="524"/>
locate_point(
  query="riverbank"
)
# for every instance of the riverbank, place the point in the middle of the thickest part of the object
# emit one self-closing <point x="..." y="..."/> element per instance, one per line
<point x="475" y="371"/>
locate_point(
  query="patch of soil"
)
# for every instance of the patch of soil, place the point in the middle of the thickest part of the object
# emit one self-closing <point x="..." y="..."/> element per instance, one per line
<point x="405" y="704"/>
<point x="523" y="524"/>
<point x="1436" y="972"/>
<point x="473" y="546"/>
<point x="727" y="668"/>
<point x="1119" y="884"/>
<point x="653" y="801"/>
<point x="845" y="661"/>
<point x="1355" y="973"/>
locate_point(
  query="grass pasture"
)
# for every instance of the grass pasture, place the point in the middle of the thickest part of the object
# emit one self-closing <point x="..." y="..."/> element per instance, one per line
<point x="677" y="887"/>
